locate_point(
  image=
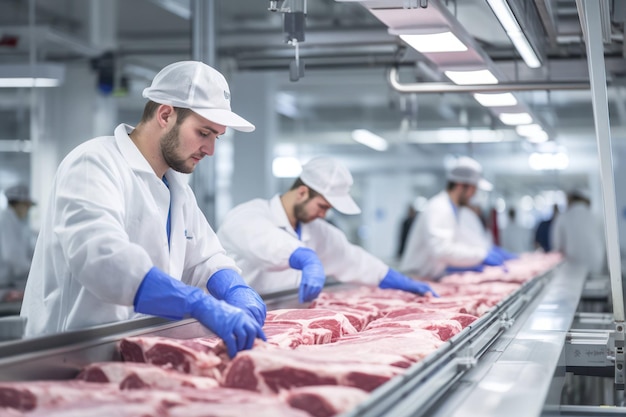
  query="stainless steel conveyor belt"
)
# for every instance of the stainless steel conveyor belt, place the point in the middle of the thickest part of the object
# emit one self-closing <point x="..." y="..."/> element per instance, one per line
<point x="503" y="364"/>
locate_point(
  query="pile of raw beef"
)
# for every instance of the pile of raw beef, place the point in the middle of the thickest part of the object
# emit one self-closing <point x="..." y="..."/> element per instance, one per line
<point x="320" y="361"/>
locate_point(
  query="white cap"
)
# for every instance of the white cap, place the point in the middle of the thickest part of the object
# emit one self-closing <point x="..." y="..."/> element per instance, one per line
<point x="332" y="180"/>
<point x="19" y="193"/>
<point x="468" y="171"/>
<point x="196" y="86"/>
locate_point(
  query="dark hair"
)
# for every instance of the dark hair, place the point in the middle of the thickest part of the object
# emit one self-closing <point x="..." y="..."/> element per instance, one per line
<point x="298" y="182"/>
<point x="452" y="184"/>
<point x="151" y="107"/>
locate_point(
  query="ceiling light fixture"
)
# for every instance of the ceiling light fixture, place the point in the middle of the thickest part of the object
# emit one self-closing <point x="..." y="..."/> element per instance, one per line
<point x="286" y="167"/>
<point x="539" y="137"/>
<point x="432" y="42"/>
<point x="472" y="77"/>
<point x="512" y="28"/>
<point x="25" y="75"/>
<point x="528" y="130"/>
<point x="463" y="135"/>
<point x="533" y="132"/>
<point x="496" y="100"/>
<point x="513" y="119"/>
<point x="548" y="161"/>
<point x="367" y="138"/>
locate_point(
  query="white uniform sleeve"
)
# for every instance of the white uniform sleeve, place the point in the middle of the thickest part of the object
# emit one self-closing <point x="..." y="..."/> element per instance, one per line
<point x="89" y="222"/>
<point x="5" y="252"/>
<point x="445" y="245"/>
<point x="557" y="235"/>
<point x="256" y="238"/>
<point x="343" y="260"/>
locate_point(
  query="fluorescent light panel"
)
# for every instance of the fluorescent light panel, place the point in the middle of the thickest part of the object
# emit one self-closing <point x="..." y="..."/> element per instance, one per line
<point x="28" y="82"/>
<point x="513" y="119"/>
<point x="514" y="31"/>
<point x="528" y="130"/>
<point x="367" y="138"/>
<point x="524" y="49"/>
<point x="538" y="137"/>
<point x="286" y="167"/>
<point x="548" y="161"/>
<point x="434" y="42"/>
<point x="471" y="77"/>
<point x="26" y="75"/>
<point x="467" y="136"/>
<point x="496" y="100"/>
<point x="533" y="132"/>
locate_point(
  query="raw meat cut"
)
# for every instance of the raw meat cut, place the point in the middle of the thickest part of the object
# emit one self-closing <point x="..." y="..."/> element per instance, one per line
<point x="188" y="356"/>
<point x="310" y="319"/>
<point x="325" y="400"/>
<point x="271" y="371"/>
<point x="129" y="375"/>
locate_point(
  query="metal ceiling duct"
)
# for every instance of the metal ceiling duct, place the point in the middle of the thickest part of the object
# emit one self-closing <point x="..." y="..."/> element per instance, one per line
<point x="501" y="87"/>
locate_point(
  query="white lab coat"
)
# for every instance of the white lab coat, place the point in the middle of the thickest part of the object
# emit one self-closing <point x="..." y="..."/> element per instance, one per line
<point x="16" y="248"/>
<point x="578" y="234"/>
<point x="471" y="229"/>
<point x="436" y="241"/>
<point x="105" y="229"/>
<point x="258" y="235"/>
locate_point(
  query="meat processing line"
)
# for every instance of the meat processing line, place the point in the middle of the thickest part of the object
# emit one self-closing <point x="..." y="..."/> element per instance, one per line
<point x="511" y="361"/>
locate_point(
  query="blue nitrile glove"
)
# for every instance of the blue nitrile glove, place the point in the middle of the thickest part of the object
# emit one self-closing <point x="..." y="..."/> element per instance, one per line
<point x="493" y="258"/>
<point x="163" y="296"/>
<point x="228" y="285"/>
<point x="396" y="281"/>
<point x="313" y="276"/>
<point x="457" y="269"/>
<point x="506" y="255"/>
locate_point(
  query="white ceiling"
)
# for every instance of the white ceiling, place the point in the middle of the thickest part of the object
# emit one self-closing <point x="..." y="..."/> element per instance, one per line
<point x="348" y="52"/>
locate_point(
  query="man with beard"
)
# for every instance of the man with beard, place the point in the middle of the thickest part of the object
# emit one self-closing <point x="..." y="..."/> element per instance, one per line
<point x="436" y="244"/>
<point x="123" y="235"/>
<point x="285" y="243"/>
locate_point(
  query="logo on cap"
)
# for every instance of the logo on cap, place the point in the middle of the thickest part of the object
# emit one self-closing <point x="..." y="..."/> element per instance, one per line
<point x="226" y="95"/>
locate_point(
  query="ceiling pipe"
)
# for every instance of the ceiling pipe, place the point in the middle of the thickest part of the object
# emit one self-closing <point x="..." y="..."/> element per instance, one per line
<point x="454" y="88"/>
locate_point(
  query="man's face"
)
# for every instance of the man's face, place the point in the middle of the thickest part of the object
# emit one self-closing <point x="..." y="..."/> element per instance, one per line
<point x="186" y="143"/>
<point x="311" y="209"/>
<point x="21" y="209"/>
<point x="466" y="194"/>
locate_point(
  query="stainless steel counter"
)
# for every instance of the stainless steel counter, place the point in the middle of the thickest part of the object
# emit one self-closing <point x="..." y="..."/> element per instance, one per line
<point x="515" y="377"/>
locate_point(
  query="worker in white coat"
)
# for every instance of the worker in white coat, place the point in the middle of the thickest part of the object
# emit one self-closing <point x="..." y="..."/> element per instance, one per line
<point x="123" y="235"/>
<point x="471" y="227"/>
<point x="578" y="234"/>
<point x="16" y="238"/>
<point x="437" y="243"/>
<point x="284" y="243"/>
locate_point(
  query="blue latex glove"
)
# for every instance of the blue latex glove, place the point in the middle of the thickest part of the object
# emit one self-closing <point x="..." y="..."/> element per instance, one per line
<point x="228" y="285"/>
<point x="506" y="255"/>
<point x="493" y="258"/>
<point x="313" y="275"/>
<point x="396" y="281"/>
<point x="455" y="269"/>
<point x="163" y="296"/>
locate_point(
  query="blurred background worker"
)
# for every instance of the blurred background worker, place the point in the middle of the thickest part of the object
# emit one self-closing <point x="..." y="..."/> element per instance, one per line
<point x="515" y="237"/>
<point x="17" y="241"/>
<point x="124" y="234"/>
<point x="578" y="234"/>
<point x="544" y="229"/>
<point x="437" y="243"/>
<point x="284" y="243"/>
<point x="472" y="227"/>
<point x="405" y="227"/>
